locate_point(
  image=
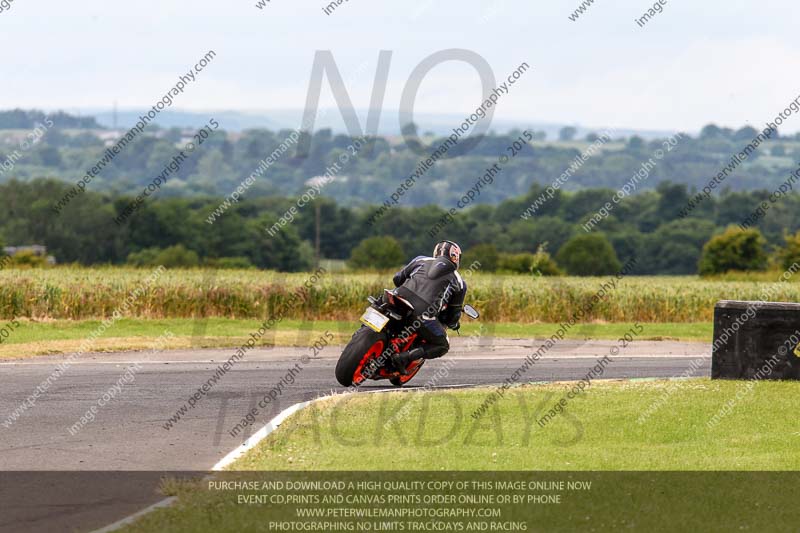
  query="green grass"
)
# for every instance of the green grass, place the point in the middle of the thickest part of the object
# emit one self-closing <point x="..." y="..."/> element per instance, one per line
<point x="600" y="431"/>
<point x="597" y="439"/>
<point x="60" y="336"/>
<point x="78" y="329"/>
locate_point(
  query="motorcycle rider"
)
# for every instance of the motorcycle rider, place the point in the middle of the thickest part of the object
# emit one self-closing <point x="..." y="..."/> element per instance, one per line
<point x="436" y="292"/>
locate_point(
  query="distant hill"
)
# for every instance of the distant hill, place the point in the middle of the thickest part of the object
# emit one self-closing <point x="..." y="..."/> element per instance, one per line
<point x="438" y="124"/>
<point x="20" y="119"/>
<point x="230" y="120"/>
<point x="228" y="156"/>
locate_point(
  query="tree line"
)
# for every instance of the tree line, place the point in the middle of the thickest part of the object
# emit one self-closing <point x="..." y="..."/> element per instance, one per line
<point x="172" y="230"/>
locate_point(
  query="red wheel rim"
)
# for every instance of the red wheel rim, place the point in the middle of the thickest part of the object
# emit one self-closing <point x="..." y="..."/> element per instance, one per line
<point x="373" y="352"/>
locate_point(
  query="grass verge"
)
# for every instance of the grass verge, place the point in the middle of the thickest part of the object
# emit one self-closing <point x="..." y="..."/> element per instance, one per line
<point x="64" y="336"/>
<point x="667" y="472"/>
<point x="599" y="430"/>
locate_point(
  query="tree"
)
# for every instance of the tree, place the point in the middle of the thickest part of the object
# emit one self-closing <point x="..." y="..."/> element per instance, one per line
<point x="582" y="204"/>
<point x="177" y="256"/>
<point x="636" y="143"/>
<point x="567" y="133"/>
<point x="790" y="254"/>
<point x="230" y="263"/>
<point x="28" y="259"/>
<point x="516" y="263"/>
<point x="409" y="130"/>
<point x="212" y="168"/>
<point x="588" y="255"/>
<point x="284" y="250"/>
<point x="628" y="245"/>
<point x="543" y="264"/>
<point x="529" y="235"/>
<point x="47" y="155"/>
<point x="337" y="231"/>
<point x="735" y="249"/>
<point x="674" y="248"/>
<point x="146" y="257"/>
<point x="377" y="252"/>
<point x="732" y="208"/>
<point x="746" y="134"/>
<point x="538" y="264"/>
<point x="710" y="131"/>
<point x="411" y="137"/>
<point x="672" y="198"/>
<point x="485" y="254"/>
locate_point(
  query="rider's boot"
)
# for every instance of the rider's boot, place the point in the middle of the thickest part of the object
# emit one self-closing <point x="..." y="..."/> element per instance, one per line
<point x="403" y="359"/>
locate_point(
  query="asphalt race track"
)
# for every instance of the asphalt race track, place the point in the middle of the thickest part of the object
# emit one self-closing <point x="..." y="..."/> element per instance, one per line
<point x="128" y="433"/>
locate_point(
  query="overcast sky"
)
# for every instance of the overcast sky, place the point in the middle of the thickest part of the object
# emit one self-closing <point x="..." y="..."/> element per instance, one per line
<point x="725" y="61"/>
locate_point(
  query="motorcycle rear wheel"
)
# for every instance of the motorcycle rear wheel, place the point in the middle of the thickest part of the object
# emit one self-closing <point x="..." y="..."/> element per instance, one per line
<point x="365" y="344"/>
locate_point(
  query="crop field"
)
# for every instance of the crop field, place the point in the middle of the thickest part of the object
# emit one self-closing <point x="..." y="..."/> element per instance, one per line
<point x="92" y="293"/>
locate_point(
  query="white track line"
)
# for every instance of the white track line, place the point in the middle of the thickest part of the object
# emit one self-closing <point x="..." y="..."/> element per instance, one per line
<point x="135" y="516"/>
<point x="261" y="434"/>
<point x="273" y="424"/>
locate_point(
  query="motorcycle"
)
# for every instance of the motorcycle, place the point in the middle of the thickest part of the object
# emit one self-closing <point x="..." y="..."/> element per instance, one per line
<point x="387" y="329"/>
